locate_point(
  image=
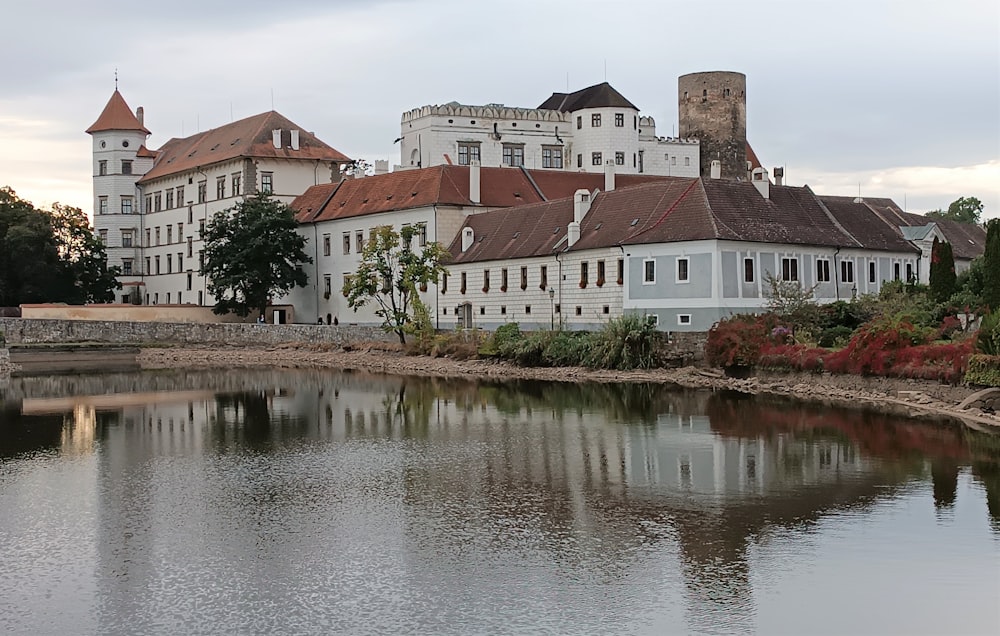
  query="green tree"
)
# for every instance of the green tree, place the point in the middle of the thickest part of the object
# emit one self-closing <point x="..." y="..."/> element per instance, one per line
<point x="991" y="266"/>
<point x="942" y="274"/>
<point x="252" y="253"/>
<point x="963" y="210"/>
<point x="88" y="278"/>
<point x="389" y="275"/>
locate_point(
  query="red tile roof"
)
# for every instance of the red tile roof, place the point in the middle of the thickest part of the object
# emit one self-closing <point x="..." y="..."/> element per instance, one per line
<point x="558" y="184"/>
<point x="250" y="137"/>
<point x="116" y="116"/>
<point x="146" y="152"/>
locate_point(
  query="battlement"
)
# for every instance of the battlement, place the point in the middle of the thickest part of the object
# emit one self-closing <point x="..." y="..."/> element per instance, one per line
<point x="489" y="111"/>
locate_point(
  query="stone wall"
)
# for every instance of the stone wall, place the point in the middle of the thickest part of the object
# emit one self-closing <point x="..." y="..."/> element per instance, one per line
<point x="39" y="331"/>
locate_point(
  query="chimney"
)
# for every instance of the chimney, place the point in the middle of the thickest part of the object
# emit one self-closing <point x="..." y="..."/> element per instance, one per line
<point x="779" y="176"/>
<point x="761" y="182"/>
<point x="140" y="114"/>
<point x="572" y="234"/>
<point x="295" y="140"/>
<point x="468" y="238"/>
<point x="381" y="166"/>
<point x="716" y="169"/>
<point x="609" y="175"/>
<point x="475" y="178"/>
<point x="581" y="205"/>
<point x="276" y="138"/>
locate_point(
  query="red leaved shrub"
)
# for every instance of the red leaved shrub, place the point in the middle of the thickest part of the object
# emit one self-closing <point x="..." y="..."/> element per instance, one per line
<point x="737" y="341"/>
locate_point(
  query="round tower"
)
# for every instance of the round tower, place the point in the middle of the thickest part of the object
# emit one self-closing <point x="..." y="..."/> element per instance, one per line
<point x="712" y="107"/>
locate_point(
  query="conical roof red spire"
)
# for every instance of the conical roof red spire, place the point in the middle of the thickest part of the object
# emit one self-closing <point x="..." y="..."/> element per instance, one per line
<point x="116" y="116"/>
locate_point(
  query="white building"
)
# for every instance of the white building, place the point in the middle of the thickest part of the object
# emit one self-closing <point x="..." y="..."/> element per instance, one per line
<point x="150" y="206"/>
<point x="577" y="131"/>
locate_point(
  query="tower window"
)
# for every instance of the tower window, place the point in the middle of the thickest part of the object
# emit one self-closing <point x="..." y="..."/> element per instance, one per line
<point x="619" y="120"/>
<point x="126" y="166"/>
<point x="595" y="120"/>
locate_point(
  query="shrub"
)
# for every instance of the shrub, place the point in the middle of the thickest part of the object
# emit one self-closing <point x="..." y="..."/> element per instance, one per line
<point x="625" y="342"/>
<point x="529" y="351"/>
<point x="736" y="341"/>
<point x="567" y="349"/>
<point x="503" y="341"/>
<point x="837" y="336"/>
<point x="988" y="338"/>
<point x="983" y="370"/>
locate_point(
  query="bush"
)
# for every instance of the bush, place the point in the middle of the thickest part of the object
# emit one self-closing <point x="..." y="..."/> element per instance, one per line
<point x="736" y="341"/>
<point x="626" y="342"/>
<point x="837" y="336"/>
<point x="567" y="349"/>
<point x="503" y="341"/>
<point x="983" y="370"/>
<point x="529" y="351"/>
<point x="988" y="338"/>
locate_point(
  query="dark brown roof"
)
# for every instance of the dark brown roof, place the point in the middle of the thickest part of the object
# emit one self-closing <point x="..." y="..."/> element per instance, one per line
<point x="250" y="137"/>
<point x="116" y="116"/>
<point x="558" y="184"/>
<point x="599" y="96"/>
<point x="868" y="225"/>
<point x="521" y="232"/>
<point x="406" y="189"/>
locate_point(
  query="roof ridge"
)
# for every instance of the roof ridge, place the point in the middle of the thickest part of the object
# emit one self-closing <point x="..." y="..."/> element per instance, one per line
<point x="829" y="215"/>
<point x="534" y="185"/>
<point x="672" y="207"/>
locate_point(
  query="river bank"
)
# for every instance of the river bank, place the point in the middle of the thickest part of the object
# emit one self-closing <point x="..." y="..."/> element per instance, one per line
<point x="910" y="398"/>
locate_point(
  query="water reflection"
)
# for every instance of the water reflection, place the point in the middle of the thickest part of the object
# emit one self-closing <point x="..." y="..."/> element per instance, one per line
<point x="318" y="502"/>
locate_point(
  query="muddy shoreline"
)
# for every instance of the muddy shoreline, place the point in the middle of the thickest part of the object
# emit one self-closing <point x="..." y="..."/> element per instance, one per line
<point x="910" y="398"/>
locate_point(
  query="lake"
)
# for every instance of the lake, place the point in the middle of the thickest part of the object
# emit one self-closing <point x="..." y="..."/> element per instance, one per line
<point x="321" y="502"/>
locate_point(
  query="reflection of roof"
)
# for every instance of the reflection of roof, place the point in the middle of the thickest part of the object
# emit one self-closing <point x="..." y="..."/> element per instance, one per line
<point x="249" y="137"/>
<point x="599" y="96"/>
<point x="116" y="116"/>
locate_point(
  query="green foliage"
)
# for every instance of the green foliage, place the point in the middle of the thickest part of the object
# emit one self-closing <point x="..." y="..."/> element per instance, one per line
<point x="390" y="273"/>
<point x="963" y="210"/>
<point x="252" y="253"/>
<point x="837" y="336"/>
<point x="988" y="338"/>
<point x="991" y="266"/>
<point x="626" y="342"/>
<point x="942" y="274"/>
<point x="792" y="303"/>
<point x="983" y="370"/>
<point x="503" y="341"/>
<point x="50" y="256"/>
<point x="568" y="348"/>
<point x="421" y="327"/>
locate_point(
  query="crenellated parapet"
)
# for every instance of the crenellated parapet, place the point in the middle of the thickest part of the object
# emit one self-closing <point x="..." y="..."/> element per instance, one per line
<point x="489" y="111"/>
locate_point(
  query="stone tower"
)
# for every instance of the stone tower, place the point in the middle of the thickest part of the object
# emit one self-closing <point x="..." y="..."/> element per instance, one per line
<point x="712" y="107"/>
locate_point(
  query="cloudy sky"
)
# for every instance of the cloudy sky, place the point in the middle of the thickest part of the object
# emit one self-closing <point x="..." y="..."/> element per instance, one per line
<point x="896" y="98"/>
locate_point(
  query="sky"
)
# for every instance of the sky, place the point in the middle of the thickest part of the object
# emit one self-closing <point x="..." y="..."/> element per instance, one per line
<point x="882" y="98"/>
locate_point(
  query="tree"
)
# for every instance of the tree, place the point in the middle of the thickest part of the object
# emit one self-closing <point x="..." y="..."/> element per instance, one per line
<point x="963" y="210"/>
<point x="252" y="253"/>
<point x="942" y="274"/>
<point x="83" y="258"/>
<point x="991" y="266"/>
<point x="389" y="275"/>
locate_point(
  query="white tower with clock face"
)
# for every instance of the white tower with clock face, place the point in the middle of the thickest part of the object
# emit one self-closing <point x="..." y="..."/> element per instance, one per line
<point x="120" y="158"/>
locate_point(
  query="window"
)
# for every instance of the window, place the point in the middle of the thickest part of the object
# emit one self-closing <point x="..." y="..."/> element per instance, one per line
<point x="126" y="205"/>
<point x="895" y="271"/>
<point x="189" y="281"/>
<point x="513" y="154"/>
<point x="544" y="275"/>
<point x="157" y="236"/>
<point x="822" y="271"/>
<point x="180" y="196"/>
<point x="579" y="122"/>
<point x="747" y="270"/>
<point x="595" y="120"/>
<point x="606" y="309"/>
<point x="648" y="272"/>
<point x="103" y="235"/>
<point x="687" y="161"/>
<point x="673" y="160"/>
<point x="503" y="279"/>
<point x="654" y="319"/>
<point x="126" y="166"/>
<point x="170" y="235"/>
<point x="126" y="238"/>
<point x="147" y="265"/>
<point x="180" y="232"/>
<point x="464" y="281"/>
<point x="595" y="159"/>
<point x="584" y="274"/>
<point x="157" y="260"/>
<point x="267" y="182"/>
<point x="579" y="310"/>
<point x="619" y="120"/>
<point x="503" y="310"/>
<point x="683" y="319"/>
<point x="220" y="187"/>
<point x="201" y="227"/>
<point x="326" y="245"/>
<point x="327" y="285"/>
<point x="847" y="271"/>
<point x="789" y="269"/>
<point x="190" y="240"/>
<point x="201" y="260"/>
<point x="202" y="191"/>
<point x="237" y="184"/>
<point x="467" y="153"/>
<point x="180" y="261"/>
<point x="909" y="272"/>
<point x="359" y="241"/>
<point x="157" y="202"/>
<point x="170" y="263"/>
<point x="102" y="205"/>
<point x="482" y="311"/>
<point x="600" y="273"/>
<point x="444" y="282"/>
<point x="641" y="165"/>
<point x="621" y="271"/>
<point x="148" y="243"/>
<point x="347" y="242"/>
<point x="527" y="309"/>
<point x="619" y="158"/>
<point x="486" y="281"/>
<point x="871" y="271"/>
<point x="683" y="270"/>
<point x="422" y="234"/>
<point x="579" y="160"/>
<point x="102" y="167"/>
<point x="524" y="278"/>
<point x="552" y="157"/>
<point x="127" y="266"/>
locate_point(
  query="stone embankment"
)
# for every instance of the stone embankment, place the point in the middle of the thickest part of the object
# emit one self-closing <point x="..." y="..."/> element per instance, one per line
<point x="910" y="398"/>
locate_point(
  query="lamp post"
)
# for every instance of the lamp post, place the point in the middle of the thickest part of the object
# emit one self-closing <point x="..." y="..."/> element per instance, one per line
<point x="552" y="309"/>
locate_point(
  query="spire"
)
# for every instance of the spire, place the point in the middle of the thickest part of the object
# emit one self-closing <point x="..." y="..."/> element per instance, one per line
<point x="116" y="116"/>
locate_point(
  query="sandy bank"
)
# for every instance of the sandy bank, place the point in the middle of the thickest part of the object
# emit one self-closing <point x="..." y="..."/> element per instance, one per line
<point x="910" y="398"/>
